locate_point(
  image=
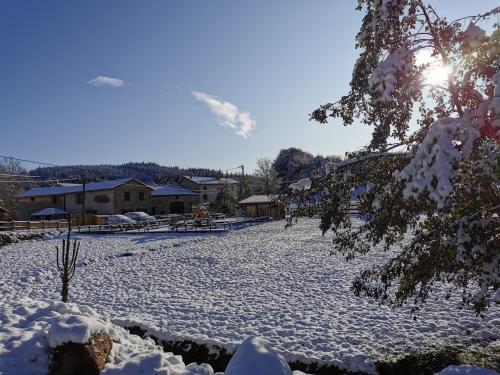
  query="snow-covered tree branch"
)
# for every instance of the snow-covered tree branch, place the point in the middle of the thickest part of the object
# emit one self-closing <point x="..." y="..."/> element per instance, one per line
<point x="442" y="182"/>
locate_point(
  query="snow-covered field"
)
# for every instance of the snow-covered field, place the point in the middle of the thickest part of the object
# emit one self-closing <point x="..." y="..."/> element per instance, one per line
<point x="266" y="281"/>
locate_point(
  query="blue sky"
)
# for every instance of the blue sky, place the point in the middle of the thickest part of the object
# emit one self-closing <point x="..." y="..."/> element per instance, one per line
<point x="273" y="61"/>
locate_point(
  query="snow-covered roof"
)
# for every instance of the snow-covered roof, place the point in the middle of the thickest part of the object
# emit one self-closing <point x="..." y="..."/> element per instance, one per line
<point x="211" y="180"/>
<point x="259" y="199"/>
<point x="171" y="190"/>
<point x="58" y="190"/>
<point x="50" y="212"/>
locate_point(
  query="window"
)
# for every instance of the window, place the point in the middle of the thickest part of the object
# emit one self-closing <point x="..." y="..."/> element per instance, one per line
<point x="79" y="198"/>
<point x="127" y="196"/>
<point x="141" y="195"/>
<point x="54" y="199"/>
<point x="176" y="197"/>
<point x="101" y="198"/>
<point x="32" y="199"/>
<point x="205" y="197"/>
<point x="204" y="188"/>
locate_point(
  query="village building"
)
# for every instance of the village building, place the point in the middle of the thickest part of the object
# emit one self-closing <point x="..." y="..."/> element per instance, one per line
<point x="262" y="206"/>
<point x="208" y="188"/>
<point x="124" y="195"/>
<point x="172" y="199"/>
<point x="101" y="198"/>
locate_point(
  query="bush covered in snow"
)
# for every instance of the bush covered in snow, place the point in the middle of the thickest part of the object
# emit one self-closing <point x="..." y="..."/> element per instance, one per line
<point x="7" y="238"/>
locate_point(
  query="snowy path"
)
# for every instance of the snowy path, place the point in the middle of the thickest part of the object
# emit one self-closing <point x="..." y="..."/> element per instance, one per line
<point x="264" y="280"/>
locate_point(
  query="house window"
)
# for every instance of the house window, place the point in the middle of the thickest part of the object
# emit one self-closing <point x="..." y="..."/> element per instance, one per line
<point x="176" y="197"/>
<point x="205" y="197"/>
<point x="141" y="195"/>
<point x="32" y="199"/>
<point x="79" y="198"/>
<point x="54" y="199"/>
<point x="204" y="188"/>
<point x="127" y="195"/>
<point x="101" y="198"/>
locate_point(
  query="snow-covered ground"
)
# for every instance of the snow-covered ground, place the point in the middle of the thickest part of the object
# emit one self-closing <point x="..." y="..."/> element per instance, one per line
<point x="30" y="329"/>
<point x="280" y="284"/>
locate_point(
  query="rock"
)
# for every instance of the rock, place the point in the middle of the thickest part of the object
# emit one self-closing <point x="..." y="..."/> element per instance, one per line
<point x="83" y="359"/>
<point x="255" y="356"/>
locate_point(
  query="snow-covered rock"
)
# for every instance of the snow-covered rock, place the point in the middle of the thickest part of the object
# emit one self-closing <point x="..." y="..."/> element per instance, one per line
<point x="29" y="329"/>
<point x="255" y="356"/>
<point x="466" y="370"/>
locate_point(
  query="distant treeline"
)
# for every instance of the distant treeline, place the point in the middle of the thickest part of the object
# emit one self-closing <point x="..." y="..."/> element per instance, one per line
<point x="146" y="172"/>
<point x="290" y="164"/>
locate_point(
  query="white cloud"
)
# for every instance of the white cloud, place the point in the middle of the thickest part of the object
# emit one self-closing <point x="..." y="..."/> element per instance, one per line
<point x="106" y="81"/>
<point x="228" y="114"/>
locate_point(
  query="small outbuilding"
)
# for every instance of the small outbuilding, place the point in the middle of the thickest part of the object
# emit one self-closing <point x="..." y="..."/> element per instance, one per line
<point x="4" y="213"/>
<point x="263" y="206"/>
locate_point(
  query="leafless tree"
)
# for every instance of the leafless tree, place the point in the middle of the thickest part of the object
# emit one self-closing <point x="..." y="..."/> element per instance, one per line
<point x="66" y="264"/>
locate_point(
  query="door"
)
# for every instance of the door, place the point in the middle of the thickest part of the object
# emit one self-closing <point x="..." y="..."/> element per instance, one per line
<point x="176" y="207"/>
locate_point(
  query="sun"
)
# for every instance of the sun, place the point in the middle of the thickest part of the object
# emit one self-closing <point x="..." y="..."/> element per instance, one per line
<point x="436" y="75"/>
<point x="437" y="72"/>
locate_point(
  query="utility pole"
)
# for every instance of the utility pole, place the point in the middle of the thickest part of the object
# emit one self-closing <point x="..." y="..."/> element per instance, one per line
<point x="242" y="180"/>
<point x="84" y="181"/>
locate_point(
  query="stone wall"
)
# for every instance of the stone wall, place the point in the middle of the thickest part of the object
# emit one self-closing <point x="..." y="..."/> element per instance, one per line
<point x="134" y="204"/>
<point x="92" y="205"/>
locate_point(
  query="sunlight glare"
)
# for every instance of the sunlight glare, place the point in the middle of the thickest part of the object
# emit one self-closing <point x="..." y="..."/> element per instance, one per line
<point x="437" y="72"/>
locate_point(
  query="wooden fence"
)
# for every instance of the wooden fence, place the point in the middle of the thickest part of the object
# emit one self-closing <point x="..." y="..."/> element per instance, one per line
<point x="76" y="220"/>
<point x="33" y="225"/>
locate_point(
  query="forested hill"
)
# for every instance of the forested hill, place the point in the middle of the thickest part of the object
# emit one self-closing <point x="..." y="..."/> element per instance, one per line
<point x="146" y="172"/>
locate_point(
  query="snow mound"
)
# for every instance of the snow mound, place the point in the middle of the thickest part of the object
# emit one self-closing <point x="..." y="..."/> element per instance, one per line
<point x="466" y="370"/>
<point x="74" y="328"/>
<point x="255" y="356"/>
<point x="29" y="329"/>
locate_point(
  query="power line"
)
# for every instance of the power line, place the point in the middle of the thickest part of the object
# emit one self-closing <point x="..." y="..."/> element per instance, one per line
<point x="28" y="161"/>
<point x="18" y="175"/>
<point x="36" y="182"/>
